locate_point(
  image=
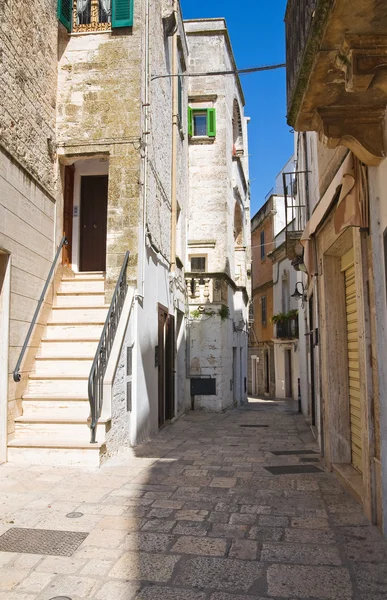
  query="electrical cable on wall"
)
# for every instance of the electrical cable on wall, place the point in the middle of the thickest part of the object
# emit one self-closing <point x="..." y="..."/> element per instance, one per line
<point x="232" y="72"/>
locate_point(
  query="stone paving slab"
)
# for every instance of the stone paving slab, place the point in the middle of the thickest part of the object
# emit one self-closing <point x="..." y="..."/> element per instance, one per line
<point x="194" y="515"/>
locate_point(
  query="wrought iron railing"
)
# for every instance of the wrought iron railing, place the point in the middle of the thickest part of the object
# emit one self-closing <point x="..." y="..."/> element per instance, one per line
<point x="98" y="369"/>
<point x="16" y="373"/>
<point x="287" y="330"/>
<point x="91" y="15"/>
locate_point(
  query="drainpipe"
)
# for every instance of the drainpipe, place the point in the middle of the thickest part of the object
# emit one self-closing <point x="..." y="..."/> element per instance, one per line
<point x="175" y="132"/>
<point x="146" y="108"/>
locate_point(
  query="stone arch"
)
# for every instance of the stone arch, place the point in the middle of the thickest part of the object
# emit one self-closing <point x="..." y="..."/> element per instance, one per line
<point x="237" y="129"/>
<point x="238" y="224"/>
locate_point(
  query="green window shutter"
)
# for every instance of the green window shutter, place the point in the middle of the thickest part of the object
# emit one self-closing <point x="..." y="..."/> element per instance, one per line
<point x="65" y="13"/>
<point x="190" y="121"/>
<point x="122" y="13"/>
<point x="211" y="122"/>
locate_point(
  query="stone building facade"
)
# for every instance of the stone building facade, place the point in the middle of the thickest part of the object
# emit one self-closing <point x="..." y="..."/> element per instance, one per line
<point x="96" y="145"/>
<point x="273" y="340"/>
<point x="218" y="228"/>
<point x="337" y="101"/>
<point x="261" y="346"/>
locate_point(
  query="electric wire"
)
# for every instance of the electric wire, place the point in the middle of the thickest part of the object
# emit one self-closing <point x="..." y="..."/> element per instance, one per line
<point x="231" y="72"/>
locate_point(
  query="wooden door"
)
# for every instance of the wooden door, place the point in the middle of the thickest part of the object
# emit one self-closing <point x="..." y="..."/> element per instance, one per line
<point x="170" y="368"/>
<point x="162" y="319"/>
<point x="68" y="207"/>
<point x="94" y="194"/>
<point x="288" y="374"/>
<point x="267" y="372"/>
<point x="348" y="268"/>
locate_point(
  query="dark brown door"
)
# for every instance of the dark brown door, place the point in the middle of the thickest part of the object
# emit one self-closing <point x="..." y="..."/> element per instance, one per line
<point x="162" y="315"/>
<point x="166" y="365"/>
<point x="170" y="368"/>
<point x="68" y="203"/>
<point x="94" y="194"/>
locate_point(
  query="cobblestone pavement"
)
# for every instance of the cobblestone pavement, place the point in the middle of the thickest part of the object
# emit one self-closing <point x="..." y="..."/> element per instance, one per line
<point x="195" y="515"/>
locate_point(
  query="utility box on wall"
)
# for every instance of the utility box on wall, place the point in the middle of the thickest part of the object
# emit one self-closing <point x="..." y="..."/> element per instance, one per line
<point x="203" y="387"/>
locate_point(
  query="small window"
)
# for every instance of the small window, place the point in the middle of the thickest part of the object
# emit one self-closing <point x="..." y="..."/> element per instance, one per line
<point x="262" y="245"/>
<point x="198" y="264"/>
<point x="263" y="311"/>
<point x="201" y="122"/>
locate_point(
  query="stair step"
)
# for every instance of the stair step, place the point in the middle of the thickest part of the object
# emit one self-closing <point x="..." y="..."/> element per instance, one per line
<point x="69" y="366"/>
<point x="84" y="275"/>
<point x="55" y="453"/>
<point x="49" y="428"/>
<point x="76" y="314"/>
<point x="44" y="408"/>
<point x="58" y="397"/>
<point x="62" y="385"/>
<point x="73" y="331"/>
<point x="82" y="286"/>
<point x="76" y="299"/>
<point x="67" y="349"/>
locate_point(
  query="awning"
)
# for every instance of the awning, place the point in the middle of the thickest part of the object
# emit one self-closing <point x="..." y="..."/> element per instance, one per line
<point x="352" y="208"/>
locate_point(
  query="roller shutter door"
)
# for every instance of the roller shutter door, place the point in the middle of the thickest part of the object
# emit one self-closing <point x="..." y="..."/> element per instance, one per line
<point x="348" y="268"/>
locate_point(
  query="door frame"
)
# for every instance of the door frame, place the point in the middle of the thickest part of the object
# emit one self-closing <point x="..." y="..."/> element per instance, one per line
<point x="5" y="296"/>
<point x="68" y="213"/>
<point x="84" y="166"/>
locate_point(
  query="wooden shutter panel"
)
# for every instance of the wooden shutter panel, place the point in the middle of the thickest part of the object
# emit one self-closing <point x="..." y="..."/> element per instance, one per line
<point x="122" y="13"/>
<point x="190" y="121"/>
<point x="211" y="122"/>
<point x="65" y="13"/>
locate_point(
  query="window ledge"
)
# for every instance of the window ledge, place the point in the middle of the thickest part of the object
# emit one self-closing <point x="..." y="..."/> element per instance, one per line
<point x="80" y="33"/>
<point x="198" y="140"/>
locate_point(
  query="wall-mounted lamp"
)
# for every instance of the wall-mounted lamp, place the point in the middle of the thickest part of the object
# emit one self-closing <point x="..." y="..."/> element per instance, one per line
<point x="300" y="295"/>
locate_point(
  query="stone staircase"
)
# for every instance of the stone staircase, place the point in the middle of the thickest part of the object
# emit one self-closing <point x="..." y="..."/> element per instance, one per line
<point x="53" y="427"/>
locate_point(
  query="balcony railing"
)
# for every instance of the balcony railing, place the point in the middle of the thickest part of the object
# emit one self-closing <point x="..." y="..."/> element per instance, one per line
<point x="298" y="19"/>
<point x="287" y="330"/>
<point x="91" y="15"/>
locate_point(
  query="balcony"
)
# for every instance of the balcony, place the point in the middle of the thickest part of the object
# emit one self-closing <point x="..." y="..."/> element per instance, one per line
<point x="287" y="329"/>
<point x="337" y="72"/>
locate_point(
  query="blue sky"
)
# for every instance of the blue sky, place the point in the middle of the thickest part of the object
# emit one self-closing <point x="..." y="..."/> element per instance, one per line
<point x="257" y="36"/>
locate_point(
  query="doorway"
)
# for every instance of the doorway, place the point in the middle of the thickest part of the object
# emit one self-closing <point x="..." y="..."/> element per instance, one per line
<point x="312" y="362"/>
<point x="94" y="197"/>
<point x="288" y="374"/>
<point x="166" y="365"/>
<point x="267" y="372"/>
<point x="5" y="290"/>
<point x="234" y="376"/>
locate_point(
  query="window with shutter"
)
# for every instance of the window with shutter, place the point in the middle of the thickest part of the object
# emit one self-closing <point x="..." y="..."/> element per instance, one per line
<point x="95" y="15"/>
<point x="122" y="13"/>
<point x="65" y="13"/>
<point x="202" y="122"/>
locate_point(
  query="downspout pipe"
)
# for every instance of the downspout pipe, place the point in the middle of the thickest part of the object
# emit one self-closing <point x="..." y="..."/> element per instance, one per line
<point x="175" y="132"/>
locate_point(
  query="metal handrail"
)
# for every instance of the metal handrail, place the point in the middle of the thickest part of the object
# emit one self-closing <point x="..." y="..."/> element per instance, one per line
<point x="16" y="373"/>
<point x="98" y="368"/>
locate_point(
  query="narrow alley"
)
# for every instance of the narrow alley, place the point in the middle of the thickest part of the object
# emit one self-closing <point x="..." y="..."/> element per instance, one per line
<point x="216" y="507"/>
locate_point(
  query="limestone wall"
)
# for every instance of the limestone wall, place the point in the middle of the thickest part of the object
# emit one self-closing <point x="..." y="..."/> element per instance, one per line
<point x="28" y="81"/>
<point x="219" y="212"/>
<point x="99" y="112"/>
<point x="28" y="75"/>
